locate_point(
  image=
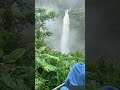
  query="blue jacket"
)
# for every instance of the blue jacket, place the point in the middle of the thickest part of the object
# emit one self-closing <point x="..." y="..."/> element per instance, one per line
<point x="76" y="76"/>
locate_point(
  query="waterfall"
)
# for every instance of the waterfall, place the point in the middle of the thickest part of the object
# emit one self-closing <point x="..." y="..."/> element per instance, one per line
<point x="65" y="34"/>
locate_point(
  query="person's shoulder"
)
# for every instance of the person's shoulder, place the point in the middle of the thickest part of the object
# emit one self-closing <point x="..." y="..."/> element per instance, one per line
<point x="79" y="64"/>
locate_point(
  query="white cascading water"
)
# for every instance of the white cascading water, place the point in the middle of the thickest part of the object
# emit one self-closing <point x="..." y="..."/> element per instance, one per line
<point x="65" y="34"/>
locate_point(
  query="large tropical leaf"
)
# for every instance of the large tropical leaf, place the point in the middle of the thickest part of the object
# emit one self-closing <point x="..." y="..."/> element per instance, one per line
<point x="15" y="55"/>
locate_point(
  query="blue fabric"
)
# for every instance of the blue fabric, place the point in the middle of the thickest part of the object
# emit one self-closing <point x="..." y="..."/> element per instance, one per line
<point x="76" y="76"/>
<point x="64" y="88"/>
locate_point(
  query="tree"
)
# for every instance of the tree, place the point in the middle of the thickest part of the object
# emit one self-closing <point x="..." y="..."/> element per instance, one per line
<point x="41" y="32"/>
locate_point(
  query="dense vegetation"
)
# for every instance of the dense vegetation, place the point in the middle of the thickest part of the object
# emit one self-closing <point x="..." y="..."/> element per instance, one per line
<point x="16" y="60"/>
<point x="103" y="73"/>
<point x="51" y="66"/>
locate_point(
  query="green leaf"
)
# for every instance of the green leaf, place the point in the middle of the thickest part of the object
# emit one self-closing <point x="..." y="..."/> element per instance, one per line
<point x="15" y="55"/>
<point x="42" y="48"/>
<point x="49" y="67"/>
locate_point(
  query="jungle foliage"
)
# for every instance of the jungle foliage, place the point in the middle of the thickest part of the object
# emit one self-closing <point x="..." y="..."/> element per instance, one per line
<point x="51" y="67"/>
<point x="102" y="73"/>
<point x="16" y="60"/>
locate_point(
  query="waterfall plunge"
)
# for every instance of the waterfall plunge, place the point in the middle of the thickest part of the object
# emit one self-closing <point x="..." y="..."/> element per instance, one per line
<point x="65" y="34"/>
